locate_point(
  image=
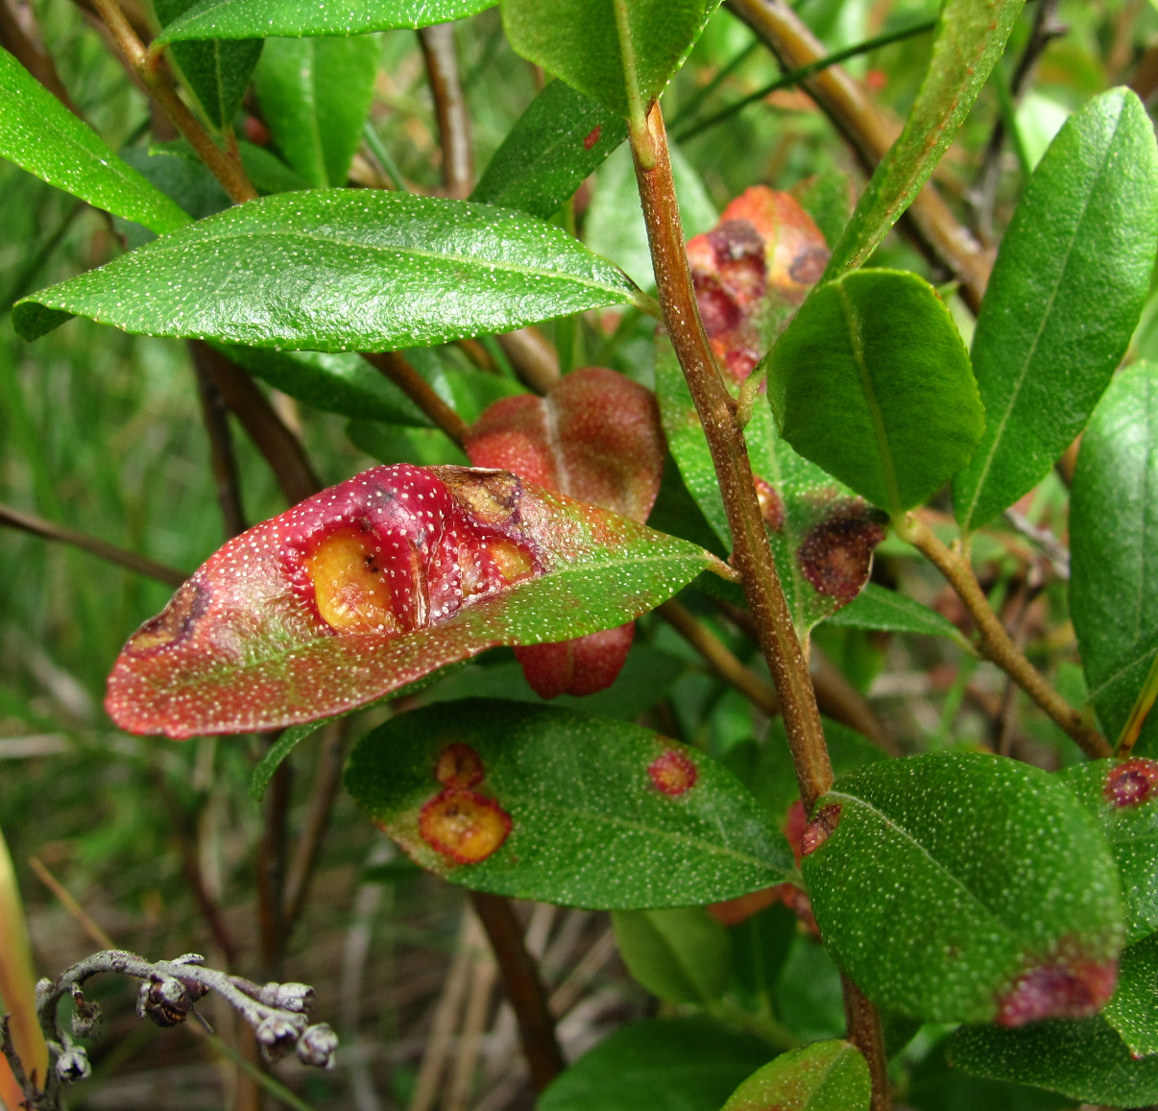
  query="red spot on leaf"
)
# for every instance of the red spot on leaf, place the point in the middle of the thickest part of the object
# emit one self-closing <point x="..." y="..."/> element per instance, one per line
<point x="458" y="766"/>
<point x="819" y="830"/>
<point x="836" y="554"/>
<point x="1132" y="783"/>
<point x="1062" y="988"/>
<point x="673" y="773"/>
<point x="462" y="825"/>
<point x="592" y="137"/>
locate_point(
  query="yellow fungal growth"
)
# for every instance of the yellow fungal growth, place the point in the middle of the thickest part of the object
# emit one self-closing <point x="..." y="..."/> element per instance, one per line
<point x="350" y="585"/>
<point x="513" y="563"/>
<point x="463" y="825"/>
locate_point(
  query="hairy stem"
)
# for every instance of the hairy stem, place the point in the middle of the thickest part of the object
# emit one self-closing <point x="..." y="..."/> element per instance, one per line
<point x="996" y="643"/>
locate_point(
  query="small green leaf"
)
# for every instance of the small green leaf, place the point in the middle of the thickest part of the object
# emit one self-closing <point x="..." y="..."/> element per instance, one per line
<point x="970" y="37"/>
<point x="1065" y="295"/>
<point x="760" y="947"/>
<point x="1085" y="1060"/>
<point x="620" y="52"/>
<point x="217" y="72"/>
<point x="965" y="888"/>
<point x="1114" y="561"/>
<point x="887" y="611"/>
<point x="552" y="148"/>
<point x="39" y="134"/>
<point x="315" y="94"/>
<point x="824" y="1076"/>
<point x="935" y="1086"/>
<point x="244" y="19"/>
<point x="1122" y="798"/>
<point x="550" y="804"/>
<point x="377" y="582"/>
<point x="872" y="382"/>
<point x="680" y="955"/>
<point x="339" y="270"/>
<point x="1133" y="1011"/>
<point x="661" y="1064"/>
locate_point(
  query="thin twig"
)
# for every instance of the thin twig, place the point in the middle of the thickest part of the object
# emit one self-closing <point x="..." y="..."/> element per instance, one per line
<point x="534" y="359"/>
<point x="450" y="108"/>
<point x="995" y="642"/>
<point x="865" y="1032"/>
<point x="936" y="230"/>
<point x="64" y="897"/>
<point x="142" y="565"/>
<point x="411" y="383"/>
<point x="222" y="460"/>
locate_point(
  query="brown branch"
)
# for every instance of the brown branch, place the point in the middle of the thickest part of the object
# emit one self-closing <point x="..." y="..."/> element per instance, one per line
<point x="146" y="66"/>
<point x="995" y="642"/>
<point x="863" y="1021"/>
<point x="142" y="565"/>
<point x="222" y="460"/>
<point x="281" y="448"/>
<point x="524" y="988"/>
<point x="751" y="556"/>
<point x="450" y="108"/>
<point x="415" y="387"/>
<point x="937" y="231"/>
<point x="534" y="359"/>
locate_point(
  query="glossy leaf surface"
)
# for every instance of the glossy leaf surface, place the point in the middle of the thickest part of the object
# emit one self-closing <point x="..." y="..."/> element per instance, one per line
<point x="1085" y="1060"/>
<point x="1114" y="561"/>
<point x="1066" y="291"/>
<point x="377" y="582"/>
<point x="39" y="134"/>
<point x="872" y="382"/>
<point x="998" y="898"/>
<point x="584" y="43"/>
<point x="1122" y="797"/>
<point x="1133" y="1011"/>
<point x="552" y="147"/>
<point x="339" y="270"/>
<point x="218" y="72"/>
<point x="824" y="1076"/>
<point x="887" y="611"/>
<point x="243" y="19"/>
<point x="970" y="37"/>
<point x="314" y="95"/>
<point x="598" y="813"/>
<point x="680" y="955"/>
<point x="663" y="1064"/>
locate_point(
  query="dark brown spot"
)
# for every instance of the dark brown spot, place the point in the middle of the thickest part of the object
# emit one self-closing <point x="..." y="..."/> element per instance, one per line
<point x="673" y="773"/>
<point x="1063" y="989"/>
<point x="1132" y="783"/>
<point x="718" y="309"/>
<point x="836" y="554"/>
<point x="174" y="623"/>
<point x="740" y="259"/>
<point x="807" y="267"/>
<point x="818" y="831"/>
<point x="458" y="766"/>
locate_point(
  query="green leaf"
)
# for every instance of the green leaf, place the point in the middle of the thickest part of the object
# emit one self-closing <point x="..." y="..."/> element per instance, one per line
<point x="1122" y="798"/>
<point x="760" y="947"/>
<point x="339" y="270"/>
<point x="965" y="888"/>
<point x="552" y="148"/>
<point x="888" y="611"/>
<point x="969" y="39"/>
<point x="824" y="1076"/>
<point x="39" y="134"/>
<point x="549" y="804"/>
<point x="1084" y="1060"/>
<point x="872" y="382"/>
<point x="680" y="955"/>
<point x="315" y="94"/>
<point x="662" y="1064"/>
<point x="1133" y="1011"/>
<point x="217" y="72"/>
<point x="367" y="586"/>
<point x="1065" y="295"/>
<point x="1114" y="562"/>
<point x="244" y="19"/>
<point x="620" y="52"/>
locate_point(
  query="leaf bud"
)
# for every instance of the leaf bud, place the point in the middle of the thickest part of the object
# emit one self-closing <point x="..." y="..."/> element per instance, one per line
<point x="277" y="1036"/>
<point x="317" y="1045"/>
<point x="72" y="1065"/>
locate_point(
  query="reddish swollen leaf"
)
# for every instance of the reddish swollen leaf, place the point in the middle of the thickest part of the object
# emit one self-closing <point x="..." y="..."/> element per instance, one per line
<point x="377" y="582"/>
<point x="752" y="271"/>
<point x="595" y="436"/>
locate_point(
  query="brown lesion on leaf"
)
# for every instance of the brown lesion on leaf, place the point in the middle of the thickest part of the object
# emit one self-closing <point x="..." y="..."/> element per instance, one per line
<point x="835" y="555"/>
<point x="826" y="819"/>
<point x="463" y="826"/>
<point x="174" y="624"/>
<point x="672" y="773"/>
<point x="1060" y="987"/>
<point x="489" y="497"/>
<point x="1131" y="783"/>
<point x="459" y="765"/>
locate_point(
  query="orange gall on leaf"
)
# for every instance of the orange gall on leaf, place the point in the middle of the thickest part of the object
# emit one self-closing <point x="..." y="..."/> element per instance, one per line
<point x="583" y="665"/>
<point x="459" y="766"/>
<point x="672" y="773"/>
<point x="463" y="826"/>
<point x="1132" y="783"/>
